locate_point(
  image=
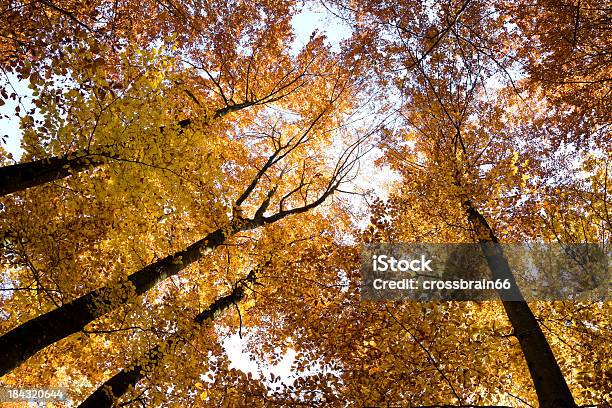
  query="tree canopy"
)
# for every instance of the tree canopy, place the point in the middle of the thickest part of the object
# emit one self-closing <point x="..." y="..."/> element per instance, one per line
<point x="191" y="173"/>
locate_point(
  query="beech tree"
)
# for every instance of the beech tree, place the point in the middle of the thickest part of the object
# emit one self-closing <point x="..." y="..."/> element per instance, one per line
<point x="263" y="74"/>
<point x="445" y="103"/>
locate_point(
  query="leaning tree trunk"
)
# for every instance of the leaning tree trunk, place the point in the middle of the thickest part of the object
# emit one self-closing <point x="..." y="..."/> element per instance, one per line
<point x="115" y="387"/>
<point x="549" y="383"/>
<point x="21" y="176"/>
<point x="24" y="341"/>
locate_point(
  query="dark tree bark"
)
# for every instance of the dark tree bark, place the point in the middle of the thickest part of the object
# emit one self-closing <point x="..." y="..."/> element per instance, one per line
<point x="21" y="176"/>
<point x="120" y="383"/>
<point x="25" y="340"/>
<point x="548" y="380"/>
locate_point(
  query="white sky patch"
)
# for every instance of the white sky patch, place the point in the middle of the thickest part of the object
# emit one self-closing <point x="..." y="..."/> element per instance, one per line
<point x="10" y="127"/>
<point x="284" y="372"/>
<point x="241" y="359"/>
<point x="372" y="180"/>
<point x="275" y="376"/>
<point x="317" y="18"/>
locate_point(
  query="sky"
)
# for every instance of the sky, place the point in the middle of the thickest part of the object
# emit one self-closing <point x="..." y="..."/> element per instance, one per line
<point x="316" y="18"/>
<point x="10" y="127"/>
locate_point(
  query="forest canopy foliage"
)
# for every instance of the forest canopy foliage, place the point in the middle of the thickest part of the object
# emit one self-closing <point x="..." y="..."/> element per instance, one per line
<point x="193" y="172"/>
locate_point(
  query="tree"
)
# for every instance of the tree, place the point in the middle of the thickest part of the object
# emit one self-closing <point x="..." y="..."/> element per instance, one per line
<point x="30" y="337"/>
<point x="445" y="103"/>
<point x="265" y="76"/>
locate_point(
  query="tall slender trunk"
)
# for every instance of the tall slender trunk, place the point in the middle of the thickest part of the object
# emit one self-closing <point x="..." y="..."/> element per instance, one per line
<point x="21" y="176"/>
<point x="25" y="340"/>
<point x="549" y="383"/>
<point x="115" y="387"/>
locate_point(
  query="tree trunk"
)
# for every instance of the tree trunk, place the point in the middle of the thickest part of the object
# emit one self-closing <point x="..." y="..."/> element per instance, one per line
<point x="21" y="176"/>
<point x="22" y="342"/>
<point x="549" y="383"/>
<point x="120" y="383"/>
<point x="32" y="336"/>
